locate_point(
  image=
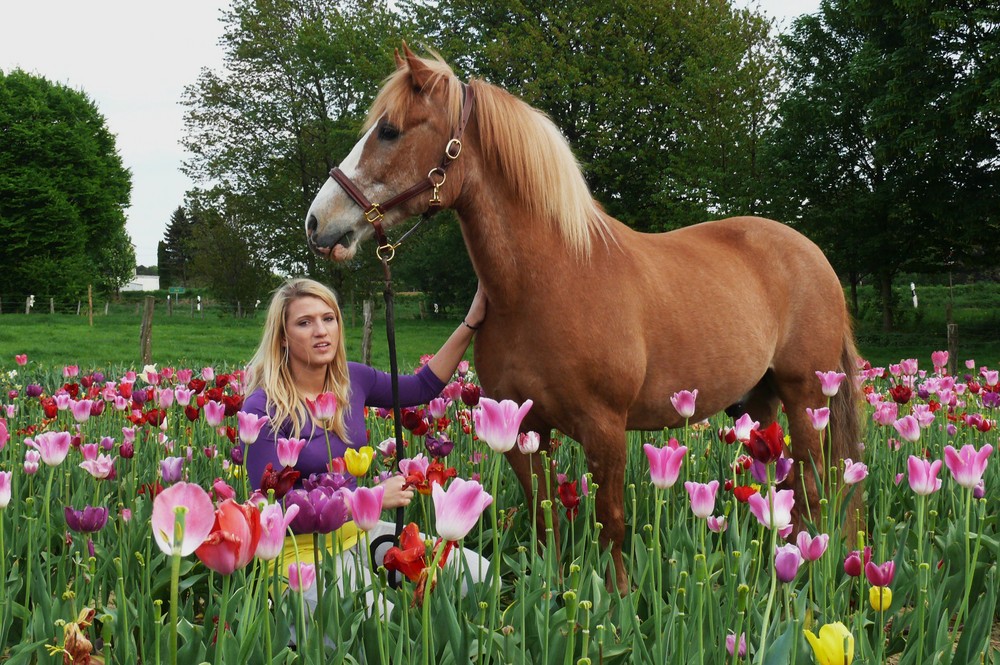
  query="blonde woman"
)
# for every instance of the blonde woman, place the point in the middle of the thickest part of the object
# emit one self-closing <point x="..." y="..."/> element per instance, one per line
<point x="301" y="356"/>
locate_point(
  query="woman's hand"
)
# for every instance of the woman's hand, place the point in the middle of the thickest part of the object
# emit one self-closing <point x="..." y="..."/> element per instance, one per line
<point x="477" y="310"/>
<point x="395" y="496"/>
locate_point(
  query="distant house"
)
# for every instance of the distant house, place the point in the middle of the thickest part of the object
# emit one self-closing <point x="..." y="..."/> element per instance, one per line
<point x="143" y="283"/>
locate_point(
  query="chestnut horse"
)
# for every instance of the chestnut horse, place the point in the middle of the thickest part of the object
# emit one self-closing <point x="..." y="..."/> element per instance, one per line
<point x="597" y="323"/>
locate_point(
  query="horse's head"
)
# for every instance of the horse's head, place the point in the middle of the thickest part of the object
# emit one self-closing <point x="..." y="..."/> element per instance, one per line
<point x="409" y="142"/>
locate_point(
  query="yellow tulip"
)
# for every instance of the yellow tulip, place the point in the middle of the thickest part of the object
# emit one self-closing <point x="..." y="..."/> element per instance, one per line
<point x="358" y="461"/>
<point x="880" y="597"/>
<point x="834" y="646"/>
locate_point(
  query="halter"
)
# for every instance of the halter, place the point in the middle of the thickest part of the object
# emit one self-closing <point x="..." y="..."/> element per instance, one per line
<point x="374" y="212"/>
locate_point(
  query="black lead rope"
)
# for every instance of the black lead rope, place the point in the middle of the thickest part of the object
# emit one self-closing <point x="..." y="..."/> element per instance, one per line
<point x="394" y="578"/>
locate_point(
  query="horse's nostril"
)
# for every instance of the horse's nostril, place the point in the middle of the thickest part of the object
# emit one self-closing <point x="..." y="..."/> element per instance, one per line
<point x="311" y="224"/>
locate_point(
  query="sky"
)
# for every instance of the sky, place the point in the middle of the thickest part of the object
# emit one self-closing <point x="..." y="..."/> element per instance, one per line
<point x="133" y="58"/>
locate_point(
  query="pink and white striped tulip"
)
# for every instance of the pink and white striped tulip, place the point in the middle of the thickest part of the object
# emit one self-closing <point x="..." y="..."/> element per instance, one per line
<point x="664" y="464"/>
<point x="365" y="504"/>
<point x="702" y="496"/>
<point x="81" y="410"/>
<point x="5" y="490"/>
<point x="528" y="442"/>
<point x="458" y="509"/>
<point x="819" y="418"/>
<point x="52" y="446"/>
<point x="250" y="425"/>
<point x="782" y="500"/>
<point x="967" y="465"/>
<point x="923" y="475"/>
<point x="195" y="505"/>
<point x="812" y="548"/>
<point x="854" y="472"/>
<point x="743" y="426"/>
<point x="289" y="451"/>
<point x="497" y="423"/>
<point x="830" y="382"/>
<point x="273" y="527"/>
<point x="684" y="402"/>
<point x="99" y="467"/>
<point x="908" y="428"/>
<point x="214" y="412"/>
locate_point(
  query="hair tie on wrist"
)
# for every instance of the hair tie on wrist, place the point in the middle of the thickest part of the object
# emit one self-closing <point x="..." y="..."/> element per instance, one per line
<point x="470" y="327"/>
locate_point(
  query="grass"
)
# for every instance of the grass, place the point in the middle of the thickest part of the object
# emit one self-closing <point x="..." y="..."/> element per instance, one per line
<point x="217" y="338"/>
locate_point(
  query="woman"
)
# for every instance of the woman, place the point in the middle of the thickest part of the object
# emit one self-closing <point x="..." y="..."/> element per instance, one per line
<point x="301" y="356"/>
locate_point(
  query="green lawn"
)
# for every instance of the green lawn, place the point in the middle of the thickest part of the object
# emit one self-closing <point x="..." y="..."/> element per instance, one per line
<point x="220" y="339"/>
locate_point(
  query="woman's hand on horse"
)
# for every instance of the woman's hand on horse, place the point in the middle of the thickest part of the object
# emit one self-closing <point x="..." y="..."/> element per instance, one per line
<point x="477" y="310"/>
<point x="395" y="495"/>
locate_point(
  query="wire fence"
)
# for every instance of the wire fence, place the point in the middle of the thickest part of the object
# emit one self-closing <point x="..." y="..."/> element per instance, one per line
<point x="128" y="304"/>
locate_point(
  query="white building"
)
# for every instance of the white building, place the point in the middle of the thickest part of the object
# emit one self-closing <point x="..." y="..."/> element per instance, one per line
<point x="143" y="283"/>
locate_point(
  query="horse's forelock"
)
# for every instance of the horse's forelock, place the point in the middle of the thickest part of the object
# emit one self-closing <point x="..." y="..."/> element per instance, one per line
<point x="397" y="94"/>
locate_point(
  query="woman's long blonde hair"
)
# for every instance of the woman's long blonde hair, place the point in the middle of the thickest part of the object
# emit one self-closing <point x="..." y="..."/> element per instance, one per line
<point x="268" y="369"/>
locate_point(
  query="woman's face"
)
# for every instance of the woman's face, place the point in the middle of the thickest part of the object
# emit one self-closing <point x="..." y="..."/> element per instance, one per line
<point x="312" y="333"/>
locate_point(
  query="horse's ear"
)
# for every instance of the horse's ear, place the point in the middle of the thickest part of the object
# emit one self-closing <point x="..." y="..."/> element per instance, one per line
<point x="399" y="61"/>
<point x="420" y="73"/>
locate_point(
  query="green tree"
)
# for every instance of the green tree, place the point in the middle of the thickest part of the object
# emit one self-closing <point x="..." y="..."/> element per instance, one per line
<point x="663" y="103"/>
<point x="299" y="76"/>
<point x="63" y="192"/>
<point x="888" y="148"/>
<point x="174" y="253"/>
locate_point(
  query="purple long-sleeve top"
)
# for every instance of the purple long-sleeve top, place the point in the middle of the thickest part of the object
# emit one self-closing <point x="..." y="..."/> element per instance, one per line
<point x="369" y="387"/>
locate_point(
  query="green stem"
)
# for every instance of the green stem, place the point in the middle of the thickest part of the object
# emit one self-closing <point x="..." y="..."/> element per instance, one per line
<point x="774" y="575"/>
<point x="921" y="508"/>
<point x="320" y="581"/>
<point x="968" y="564"/>
<point x="426" y="609"/>
<point x="220" y="632"/>
<point x="175" y="576"/>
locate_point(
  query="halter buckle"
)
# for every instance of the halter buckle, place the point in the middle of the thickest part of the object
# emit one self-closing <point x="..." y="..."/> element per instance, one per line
<point x="453" y="149"/>
<point x="374" y="214"/>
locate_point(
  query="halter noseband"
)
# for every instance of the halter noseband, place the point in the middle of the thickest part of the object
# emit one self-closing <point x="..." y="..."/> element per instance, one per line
<point x="374" y="212"/>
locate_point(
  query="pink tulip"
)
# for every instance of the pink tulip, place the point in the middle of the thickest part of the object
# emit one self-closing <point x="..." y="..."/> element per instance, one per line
<point x="31" y="458"/>
<point x="89" y="451"/>
<point x="528" y="442"/>
<point x="854" y="472"/>
<point x="743" y="426"/>
<point x="165" y="398"/>
<point x="182" y="395"/>
<point x="52" y="446"/>
<point x="195" y="505"/>
<point x="273" y="527"/>
<point x="214" y="412"/>
<point x="62" y="400"/>
<point x="702" y="496"/>
<point x="223" y="490"/>
<point x="923" y="475"/>
<point x="21" y="359"/>
<point x="967" y="465"/>
<point x="497" y="423"/>
<point x="830" y="382"/>
<point x="783" y="500"/>
<point x="880" y="575"/>
<point x="885" y="413"/>
<point x="812" y="548"/>
<point x="787" y="560"/>
<point x="731" y="644"/>
<point x="939" y="359"/>
<point x="4" y="434"/>
<point x="908" y="428"/>
<point x="664" y="464"/>
<point x="717" y="524"/>
<point x="365" y="504"/>
<point x="99" y="467"/>
<point x="81" y="410"/>
<point x="70" y="371"/>
<point x="684" y="402"/>
<point x="4" y="488"/>
<point x="416" y="464"/>
<point x="301" y="576"/>
<point x="819" y="418"/>
<point x="438" y="407"/>
<point x="992" y="377"/>
<point x="289" y="451"/>
<point x="324" y="407"/>
<point x="458" y="509"/>
<point x="208" y="373"/>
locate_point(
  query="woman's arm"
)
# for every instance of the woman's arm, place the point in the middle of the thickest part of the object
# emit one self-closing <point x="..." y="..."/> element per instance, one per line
<point x="446" y="360"/>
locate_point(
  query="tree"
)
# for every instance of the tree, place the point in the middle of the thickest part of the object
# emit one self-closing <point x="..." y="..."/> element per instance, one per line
<point x="663" y="103"/>
<point x="174" y="252"/>
<point x="888" y="149"/>
<point x="264" y="133"/>
<point x="63" y="192"/>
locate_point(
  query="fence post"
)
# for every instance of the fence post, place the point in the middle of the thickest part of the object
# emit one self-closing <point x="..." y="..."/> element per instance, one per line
<point x="106" y="308"/>
<point x="146" y="332"/>
<point x="27" y="304"/>
<point x="366" y="333"/>
<point x="90" y="305"/>
<point x="52" y="305"/>
<point x="170" y="306"/>
<point x="952" y="348"/>
<point x="239" y="310"/>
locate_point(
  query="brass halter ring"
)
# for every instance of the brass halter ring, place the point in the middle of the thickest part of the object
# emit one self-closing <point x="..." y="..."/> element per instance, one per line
<point x="453" y="144"/>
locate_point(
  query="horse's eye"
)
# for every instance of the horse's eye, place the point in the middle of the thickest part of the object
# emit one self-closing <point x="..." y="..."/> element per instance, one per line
<point x="388" y="132"/>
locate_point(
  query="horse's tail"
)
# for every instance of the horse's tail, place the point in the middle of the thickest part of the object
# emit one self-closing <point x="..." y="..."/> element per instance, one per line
<point x="845" y="424"/>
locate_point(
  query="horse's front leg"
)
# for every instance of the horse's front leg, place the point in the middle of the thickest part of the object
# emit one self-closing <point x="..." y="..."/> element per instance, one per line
<point x="527" y="466"/>
<point x="605" y="448"/>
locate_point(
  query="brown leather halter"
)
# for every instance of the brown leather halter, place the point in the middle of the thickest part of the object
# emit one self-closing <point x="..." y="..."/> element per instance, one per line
<point x="374" y="212"/>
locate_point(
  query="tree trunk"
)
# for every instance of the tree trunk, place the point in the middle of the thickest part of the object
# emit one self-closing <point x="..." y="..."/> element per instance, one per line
<point x="885" y="291"/>
<point x="855" y="308"/>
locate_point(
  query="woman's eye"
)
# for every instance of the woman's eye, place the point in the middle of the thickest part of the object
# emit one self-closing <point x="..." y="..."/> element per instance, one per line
<point x="388" y="132"/>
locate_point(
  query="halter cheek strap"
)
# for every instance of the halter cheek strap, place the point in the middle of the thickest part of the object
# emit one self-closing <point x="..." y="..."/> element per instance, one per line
<point x="374" y="212"/>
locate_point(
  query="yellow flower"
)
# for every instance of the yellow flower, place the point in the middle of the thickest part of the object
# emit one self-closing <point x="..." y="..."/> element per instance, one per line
<point x="880" y="597"/>
<point x="358" y="461"/>
<point x="834" y="646"/>
<point x="788" y="440"/>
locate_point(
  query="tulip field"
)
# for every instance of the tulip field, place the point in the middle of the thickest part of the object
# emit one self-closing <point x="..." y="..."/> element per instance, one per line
<point x="129" y="534"/>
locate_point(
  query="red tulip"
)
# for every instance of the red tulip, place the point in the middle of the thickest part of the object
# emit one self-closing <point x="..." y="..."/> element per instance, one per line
<point x="233" y="539"/>
<point x="766" y="446"/>
<point x="281" y="482"/>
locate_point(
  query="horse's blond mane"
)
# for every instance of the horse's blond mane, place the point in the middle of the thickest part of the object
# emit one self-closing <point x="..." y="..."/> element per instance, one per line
<point x="521" y="141"/>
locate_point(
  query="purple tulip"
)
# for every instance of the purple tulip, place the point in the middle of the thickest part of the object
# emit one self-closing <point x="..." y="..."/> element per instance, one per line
<point x="321" y="510"/>
<point x="331" y="480"/>
<point x="33" y="390"/>
<point x="782" y="467"/>
<point x="88" y="520"/>
<point x="170" y="469"/>
<point x="439" y="446"/>
<point x="787" y="560"/>
<point x="731" y="644"/>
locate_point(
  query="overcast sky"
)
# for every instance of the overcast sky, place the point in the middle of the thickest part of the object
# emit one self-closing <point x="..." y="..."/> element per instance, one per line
<point x="133" y="59"/>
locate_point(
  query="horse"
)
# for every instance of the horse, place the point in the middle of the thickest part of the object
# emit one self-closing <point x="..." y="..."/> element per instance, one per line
<point x="595" y="322"/>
